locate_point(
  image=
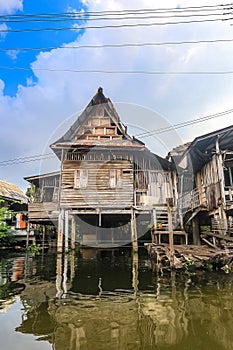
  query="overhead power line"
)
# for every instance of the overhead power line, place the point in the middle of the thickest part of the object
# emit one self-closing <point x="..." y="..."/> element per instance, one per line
<point x="183" y="124"/>
<point x="141" y="135"/>
<point x="123" y="12"/>
<point x="139" y="72"/>
<point x="129" y="16"/>
<point x="28" y="159"/>
<point x="113" y="26"/>
<point x="116" y="45"/>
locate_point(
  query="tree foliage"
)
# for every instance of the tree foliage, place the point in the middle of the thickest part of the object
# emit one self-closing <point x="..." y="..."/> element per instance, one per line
<point x="5" y="230"/>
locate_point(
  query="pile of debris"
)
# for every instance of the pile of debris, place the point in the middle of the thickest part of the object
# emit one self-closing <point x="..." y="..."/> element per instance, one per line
<point x="190" y="256"/>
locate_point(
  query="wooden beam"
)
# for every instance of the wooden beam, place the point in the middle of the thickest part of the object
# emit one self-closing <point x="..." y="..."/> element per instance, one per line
<point x="225" y="238"/>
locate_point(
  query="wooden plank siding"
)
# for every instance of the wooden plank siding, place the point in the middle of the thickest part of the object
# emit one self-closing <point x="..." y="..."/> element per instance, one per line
<point x="212" y="180"/>
<point x="42" y="211"/>
<point x="101" y="189"/>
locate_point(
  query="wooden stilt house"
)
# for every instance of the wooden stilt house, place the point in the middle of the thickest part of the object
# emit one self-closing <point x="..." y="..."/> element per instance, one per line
<point x="108" y="180"/>
<point x="206" y="184"/>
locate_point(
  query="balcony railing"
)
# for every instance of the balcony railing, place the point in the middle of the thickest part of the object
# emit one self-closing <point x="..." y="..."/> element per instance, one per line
<point x="228" y="194"/>
<point x="192" y="200"/>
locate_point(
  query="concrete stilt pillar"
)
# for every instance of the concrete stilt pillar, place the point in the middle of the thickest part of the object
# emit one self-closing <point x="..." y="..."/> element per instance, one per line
<point x="66" y="231"/>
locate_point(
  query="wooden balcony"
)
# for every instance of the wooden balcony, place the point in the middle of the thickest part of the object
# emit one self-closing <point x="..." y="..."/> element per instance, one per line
<point x="192" y="200"/>
<point x="46" y="211"/>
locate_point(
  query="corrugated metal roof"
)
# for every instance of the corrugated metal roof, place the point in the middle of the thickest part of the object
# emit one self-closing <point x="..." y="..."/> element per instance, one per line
<point x="12" y="192"/>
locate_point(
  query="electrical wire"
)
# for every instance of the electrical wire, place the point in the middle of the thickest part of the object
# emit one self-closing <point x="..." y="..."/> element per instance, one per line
<point x="125" y="11"/>
<point x="132" y="17"/>
<point x="117" y="45"/>
<point x="113" y="26"/>
<point x="139" y="72"/>
<point x="183" y="124"/>
<point x="141" y="135"/>
<point x="27" y="157"/>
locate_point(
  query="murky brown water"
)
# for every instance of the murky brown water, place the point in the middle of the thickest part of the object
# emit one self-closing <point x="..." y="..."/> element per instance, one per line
<point x="110" y="300"/>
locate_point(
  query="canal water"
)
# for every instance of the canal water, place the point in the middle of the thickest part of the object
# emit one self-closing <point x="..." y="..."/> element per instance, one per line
<point x="110" y="299"/>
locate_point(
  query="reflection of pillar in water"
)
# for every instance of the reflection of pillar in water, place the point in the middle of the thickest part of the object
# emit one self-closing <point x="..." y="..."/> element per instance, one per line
<point x="59" y="276"/>
<point x="64" y="284"/>
<point x="72" y="265"/>
<point x="73" y="232"/>
<point x="135" y="271"/>
<point x="77" y="338"/>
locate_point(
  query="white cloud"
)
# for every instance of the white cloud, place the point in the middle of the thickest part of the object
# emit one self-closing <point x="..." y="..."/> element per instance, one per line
<point x="13" y="54"/>
<point x="4" y="27"/>
<point x="10" y="6"/>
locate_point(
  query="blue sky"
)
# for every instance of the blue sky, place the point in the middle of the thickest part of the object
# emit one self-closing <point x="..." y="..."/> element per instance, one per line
<point x="39" y="39"/>
<point x="38" y="104"/>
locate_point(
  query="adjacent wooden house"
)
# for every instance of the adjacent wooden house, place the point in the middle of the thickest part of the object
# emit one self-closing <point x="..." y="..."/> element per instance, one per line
<point x="108" y="180"/>
<point x="206" y="182"/>
<point x="15" y="200"/>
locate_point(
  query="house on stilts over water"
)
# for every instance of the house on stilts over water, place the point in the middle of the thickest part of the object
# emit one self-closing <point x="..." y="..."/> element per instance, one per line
<point x="206" y="186"/>
<point x="108" y="185"/>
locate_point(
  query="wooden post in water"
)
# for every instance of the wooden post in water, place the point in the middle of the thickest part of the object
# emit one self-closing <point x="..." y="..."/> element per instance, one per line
<point x="60" y="231"/>
<point x="134" y="237"/>
<point x="196" y="231"/>
<point x="153" y="226"/>
<point x="73" y="232"/>
<point x="170" y="229"/>
<point x="43" y="238"/>
<point x="28" y="232"/>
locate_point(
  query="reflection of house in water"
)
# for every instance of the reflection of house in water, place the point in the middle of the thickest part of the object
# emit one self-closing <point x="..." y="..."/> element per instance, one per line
<point x="173" y="315"/>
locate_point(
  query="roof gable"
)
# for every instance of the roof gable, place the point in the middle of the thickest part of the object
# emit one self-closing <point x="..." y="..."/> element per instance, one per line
<point x="98" y="124"/>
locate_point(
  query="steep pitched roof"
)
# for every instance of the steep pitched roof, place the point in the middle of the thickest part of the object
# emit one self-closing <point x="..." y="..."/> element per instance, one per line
<point x="12" y="192"/>
<point x="98" y="125"/>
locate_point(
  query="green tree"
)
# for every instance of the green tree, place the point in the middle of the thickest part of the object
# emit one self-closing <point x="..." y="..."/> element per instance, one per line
<point x="6" y="236"/>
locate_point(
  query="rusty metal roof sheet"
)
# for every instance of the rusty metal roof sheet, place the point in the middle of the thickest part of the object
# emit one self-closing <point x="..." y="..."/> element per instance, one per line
<point x="12" y="192"/>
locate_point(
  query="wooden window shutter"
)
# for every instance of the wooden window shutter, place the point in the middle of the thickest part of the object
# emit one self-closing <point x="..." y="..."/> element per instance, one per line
<point x="81" y="178"/>
<point x="114" y="178"/>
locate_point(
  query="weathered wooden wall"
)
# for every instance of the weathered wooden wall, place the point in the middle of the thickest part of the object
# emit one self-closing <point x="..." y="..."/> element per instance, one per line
<point x="211" y="178"/>
<point x="97" y="190"/>
<point x="42" y="211"/>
